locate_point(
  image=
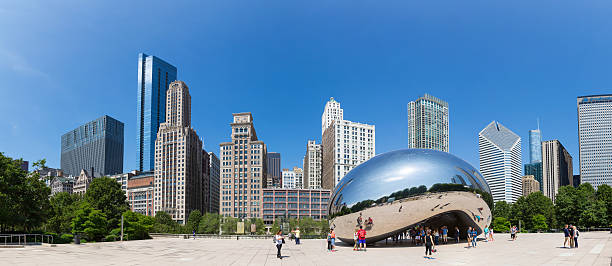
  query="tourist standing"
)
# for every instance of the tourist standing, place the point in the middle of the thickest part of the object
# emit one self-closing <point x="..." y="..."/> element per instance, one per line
<point x="329" y="240"/>
<point x="429" y="244"/>
<point x="437" y="236"/>
<point x="359" y="219"/>
<point x="356" y="243"/>
<point x="193" y="234"/>
<point x="474" y="237"/>
<point x="491" y="234"/>
<point x="278" y="240"/>
<point x="361" y="234"/>
<point x="571" y="234"/>
<point x="512" y="233"/>
<point x="486" y="233"/>
<point x="567" y="236"/>
<point x="296" y="233"/>
<point x="457" y="234"/>
<point x="469" y="236"/>
<point x="445" y="234"/>
<point x="576" y="234"/>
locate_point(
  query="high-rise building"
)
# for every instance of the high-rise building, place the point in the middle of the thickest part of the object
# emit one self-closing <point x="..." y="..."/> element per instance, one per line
<point x="332" y="112"/>
<point x="97" y="144"/>
<point x="535" y="146"/>
<point x="500" y="161"/>
<point x="535" y="169"/>
<point x="344" y="144"/>
<point x="312" y="165"/>
<point x="530" y="185"/>
<point x="178" y="158"/>
<point x="214" y="175"/>
<point x="140" y="192"/>
<point x="122" y="179"/>
<point x="594" y="127"/>
<point x="557" y="168"/>
<point x="274" y="169"/>
<point x="576" y="181"/>
<point x="243" y="170"/>
<point x="428" y="124"/>
<point x="288" y="178"/>
<point x="154" y="77"/>
<point x="206" y="189"/>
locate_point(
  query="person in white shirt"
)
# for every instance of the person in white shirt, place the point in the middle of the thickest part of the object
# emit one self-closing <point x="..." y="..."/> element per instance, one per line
<point x="278" y="240"/>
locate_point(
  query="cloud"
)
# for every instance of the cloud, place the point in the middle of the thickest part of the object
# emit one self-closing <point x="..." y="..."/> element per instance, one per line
<point x="19" y="64"/>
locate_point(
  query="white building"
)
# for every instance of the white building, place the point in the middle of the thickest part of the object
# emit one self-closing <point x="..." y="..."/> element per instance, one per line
<point x="500" y="161"/>
<point x="594" y="133"/>
<point x="312" y="165"/>
<point x="345" y="144"/>
<point x="293" y="178"/>
<point x="428" y="124"/>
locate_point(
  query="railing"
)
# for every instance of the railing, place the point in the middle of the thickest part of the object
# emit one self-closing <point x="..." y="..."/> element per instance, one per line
<point x="24" y="239"/>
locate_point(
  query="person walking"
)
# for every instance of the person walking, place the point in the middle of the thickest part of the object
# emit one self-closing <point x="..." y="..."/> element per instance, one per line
<point x="513" y="232"/>
<point x="576" y="234"/>
<point x="491" y="234"/>
<point x="333" y="240"/>
<point x="329" y="244"/>
<point x="486" y="233"/>
<point x="474" y="237"/>
<point x="296" y="233"/>
<point x="278" y="240"/>
<point x="567" y="236"/>
<point x="194" y="235"/>
<point x="469" y="236"/>
<point x="457" y="234"/>
<point x="361" y="234"/>
<point x="429" y="245"/>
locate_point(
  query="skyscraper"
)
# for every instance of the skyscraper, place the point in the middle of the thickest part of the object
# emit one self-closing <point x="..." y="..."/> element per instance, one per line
<point x="289" y="179"/>
<point x="214" y="174"/>
<point x="178" y="158"/>
<point x="535" y="169"/>
<point x="243" y="170"/>
<point x="500" y="161"/>
<point x="97" y="144"/>
<point x="274" y="169"/>
<point x="557" y="168"/>
<point x="594" y="127"/>
<point x="535" y="146"/>
<point x="428" y="124"/>
<point x="154" y="77"/>
<point x="345" y="144"/>
<point x="312" y="165"/>
<point x="530" y="185"/>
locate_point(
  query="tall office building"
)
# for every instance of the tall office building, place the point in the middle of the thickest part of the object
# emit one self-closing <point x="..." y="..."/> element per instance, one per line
<point x="97" y="144"/>
<point x="332" y="112"/>
<point x="530" y="185"/>
<point x="557" y="168"/>
<point x="289" y="178"/>
<point x="154" y="77"/>
<point x="500" y="161"/>
<point x="312" y="165"/>
<point x="345" y="144"/>
<point x="178" y="158"/>
<point x="535" y="169"/>
<point x="206" y="189"/>
<point x="594" y="127"/>
<point x="214" y="174"/>
<point x="428" y="124"/>
<point x="274" y="169"/>
<point x="243" y="170"/>
<point x="535" y="146"/>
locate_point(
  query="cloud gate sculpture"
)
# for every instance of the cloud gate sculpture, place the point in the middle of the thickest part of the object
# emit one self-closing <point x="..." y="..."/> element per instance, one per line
<point x="401" y="189"/>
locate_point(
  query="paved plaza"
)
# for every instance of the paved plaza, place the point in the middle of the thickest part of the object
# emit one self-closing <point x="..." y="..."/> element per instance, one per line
<point x="528" y="249"/>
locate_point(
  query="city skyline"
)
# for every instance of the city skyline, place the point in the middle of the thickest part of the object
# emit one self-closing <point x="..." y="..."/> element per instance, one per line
<point x="47" y="85"/>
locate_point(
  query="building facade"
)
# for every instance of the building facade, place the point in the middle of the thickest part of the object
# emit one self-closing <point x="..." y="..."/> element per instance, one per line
<point x="557" y="169"/>
<point x="535" y="169"/>
<point x="345" y="145"/>
<point x="61" y="184"/>
<point x="178" y="158"/>
<point x="332" y="112"/>
<point x="500" y="161"/>
<point x="312" y="165"/>
<point x="243" y="170"/>
<point x="214" y="177"/>
<point x="294" y="203"/>
<point x="293" y="178"/>
<point x="274" y="169"/>
<point x="122" y="179"/>
<point x="535" y="146"/>
<point x="47" y="174"/>
<point x="594" y="127"/>
<point x="530" y="185"/>
<point x="428" y="124"/>
<point x="140" y="193"/>
<point x="154" y="78"/>
<point x="97" y="144"/>
<point x="81" y="184"/>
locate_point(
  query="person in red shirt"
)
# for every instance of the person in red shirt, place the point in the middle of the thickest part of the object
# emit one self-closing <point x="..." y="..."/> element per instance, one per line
<point x="361" y="234"/>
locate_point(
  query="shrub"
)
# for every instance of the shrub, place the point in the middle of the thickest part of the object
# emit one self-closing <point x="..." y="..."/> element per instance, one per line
<point x="110" y="238"/>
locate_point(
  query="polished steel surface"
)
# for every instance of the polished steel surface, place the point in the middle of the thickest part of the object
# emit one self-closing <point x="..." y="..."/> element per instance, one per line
<point x="400" y="175"/>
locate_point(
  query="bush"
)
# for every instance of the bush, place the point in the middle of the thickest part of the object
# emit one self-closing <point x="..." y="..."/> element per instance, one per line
<point x="66" y="238"/>
<point x="110" y="238"/>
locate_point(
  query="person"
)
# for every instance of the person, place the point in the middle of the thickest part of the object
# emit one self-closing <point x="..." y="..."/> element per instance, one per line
<point x="413" y="236"/>
<point x="567" y="235"/>
<point x="512" y="232"/>
<point x="486" y="233"/>
<point x="422" y="235"/>
<point x="469" y="236"/>
<point x="457" y="234"/>
<point x="278" y="240"/>
<point x="429" y="244"/>
<point x="576" y="234"/>
<point x="356" y="243"/>
<point x="296" y="233"/>
<point x="491" y="234"/>
<point x="445" y="234"/>
<point x="474" y="237"/>
<point x="359" y="219"/>
<point x="361" y="235"/>
<point x="193" y="234"/>
<point x="329" y="240"/>
<point x="571" y="235"/>
<point x="436" y="236"/>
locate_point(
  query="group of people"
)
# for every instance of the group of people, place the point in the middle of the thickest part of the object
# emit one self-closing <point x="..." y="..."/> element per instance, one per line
<point x="571" y="235"/>
<point x="359" y="238"/>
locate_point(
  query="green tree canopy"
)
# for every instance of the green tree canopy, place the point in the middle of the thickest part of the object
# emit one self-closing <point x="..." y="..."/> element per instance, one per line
<point x="136" y="225"/>
<point x="209" y="224"/>
<point x="89" y="221"/>
<point x="164" y="223"/>
<point x="63" y="207"/>
<point x="501" y="209"/>
<point x="538" y="222"/>
<point x="500" y="224"/>
<point x="105" y="194"/>
<point x="193" y="221"/>
<point x="604" y="194"/>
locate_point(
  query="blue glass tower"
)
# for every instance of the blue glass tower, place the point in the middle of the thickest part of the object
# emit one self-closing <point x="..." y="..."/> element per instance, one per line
<point x="535" y="146"/>
<point x="154" y="77"/>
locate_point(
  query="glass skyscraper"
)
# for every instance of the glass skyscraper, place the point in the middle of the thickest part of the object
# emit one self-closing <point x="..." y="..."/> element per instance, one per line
<point x="535" y="146"/>
<point x="595" y="139"/>
<point x="96" y="146"/>
<point x="428" y="124"/>
<point x="154" y="77"/>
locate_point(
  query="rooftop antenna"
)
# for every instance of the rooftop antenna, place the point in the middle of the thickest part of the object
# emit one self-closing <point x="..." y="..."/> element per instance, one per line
<point x="538" y="124"/>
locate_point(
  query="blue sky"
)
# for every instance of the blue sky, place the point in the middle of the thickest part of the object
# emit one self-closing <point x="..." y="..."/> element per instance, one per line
<point x="63" y="63"/>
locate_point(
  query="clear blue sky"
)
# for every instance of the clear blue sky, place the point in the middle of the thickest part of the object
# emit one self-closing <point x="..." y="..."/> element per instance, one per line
<point x="63" y="63"/>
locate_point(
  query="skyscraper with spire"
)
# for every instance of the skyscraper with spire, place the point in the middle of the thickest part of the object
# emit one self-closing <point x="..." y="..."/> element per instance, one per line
<point x="534" y="167"/>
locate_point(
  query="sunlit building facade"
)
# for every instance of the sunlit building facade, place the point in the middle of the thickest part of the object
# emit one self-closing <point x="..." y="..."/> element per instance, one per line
<point x="594" y="127"/>
<point x="428" y="126"/>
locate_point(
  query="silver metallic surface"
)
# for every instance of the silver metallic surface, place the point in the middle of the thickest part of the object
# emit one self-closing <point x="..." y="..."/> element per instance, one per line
<point x="372" y="183"/>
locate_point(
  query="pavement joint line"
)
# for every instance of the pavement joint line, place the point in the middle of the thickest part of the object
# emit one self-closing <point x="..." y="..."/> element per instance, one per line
<point x="597" y="249"/>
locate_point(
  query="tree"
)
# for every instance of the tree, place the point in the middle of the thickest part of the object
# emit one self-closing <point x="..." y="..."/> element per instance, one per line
<point x="501" y="224"/>
<point x="539" y="222"/>
<point x="229" y="225"/>
<point x="259" y="226"/>
<point x="594" y="214"/>
<point x="566" y="205"/>
<point x="209" y="224"/>
<point x="501" y="209"/>
<point x="193" y="221"/>
<point x="61" y="212"/>
<point x="163" y="223"/>
<point x="604" y="194"/>
<point x="525" y="208"/>
<point x="90" y="221"/>
<point x="105" y="194"/>
<point x="136" y="225"/>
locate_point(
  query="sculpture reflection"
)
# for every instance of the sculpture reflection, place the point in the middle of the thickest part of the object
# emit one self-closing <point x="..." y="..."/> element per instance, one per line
<point x="397" y="190"/>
